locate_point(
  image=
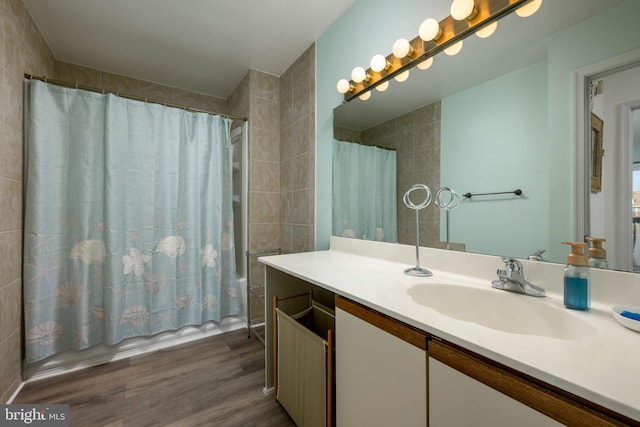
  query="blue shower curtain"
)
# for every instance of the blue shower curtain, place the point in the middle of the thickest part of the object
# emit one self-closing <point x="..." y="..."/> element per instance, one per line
<point x="364" y="192"/>
<point x="128" y="219"/>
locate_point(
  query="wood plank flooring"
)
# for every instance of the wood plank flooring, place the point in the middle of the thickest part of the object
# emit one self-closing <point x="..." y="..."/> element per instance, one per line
<point x="215" y="381"/>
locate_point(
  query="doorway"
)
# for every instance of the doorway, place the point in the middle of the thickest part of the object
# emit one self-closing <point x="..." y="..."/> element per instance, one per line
<point x="613" y="101"/>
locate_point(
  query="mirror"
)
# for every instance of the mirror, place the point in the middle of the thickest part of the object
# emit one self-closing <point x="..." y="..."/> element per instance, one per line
<point x="495" y="105"/>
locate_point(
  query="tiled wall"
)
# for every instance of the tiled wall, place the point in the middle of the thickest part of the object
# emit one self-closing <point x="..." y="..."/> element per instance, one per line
<point x="22" y="50"/>
<point x="264" y="162"/>
<point x="134" y="87"/>
<point x="297" y="154"/>
<point x="259" y="93"/>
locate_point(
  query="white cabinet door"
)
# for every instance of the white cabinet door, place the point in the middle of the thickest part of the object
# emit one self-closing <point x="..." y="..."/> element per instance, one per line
<point x="380" y="379"/>
<point x="456" y="399"/>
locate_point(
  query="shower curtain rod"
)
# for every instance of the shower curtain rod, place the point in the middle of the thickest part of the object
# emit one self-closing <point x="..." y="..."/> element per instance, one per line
<point x="135" y="98"/>
<point x="366" y="145"/>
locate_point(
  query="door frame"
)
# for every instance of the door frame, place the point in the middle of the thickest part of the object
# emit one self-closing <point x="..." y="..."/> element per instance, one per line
<point x="582" y="174"/>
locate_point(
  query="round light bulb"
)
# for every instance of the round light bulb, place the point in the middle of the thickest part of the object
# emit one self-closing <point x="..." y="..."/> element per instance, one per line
<point x="401" y="48"/>
<point x="529" y="8"/>
<point x="487" y="30"/>
<point x="378" y="63"/>
<point x="426" y="64"/>
<point x="358" y="74"/>
<point x="402" y="76"/>
<point x="365" y="96"/>
<point x="382" y="86"/>
<point x="462" y="9"/>
<point x="454" y="49"/>
<point x="429" y="30"/>
<point x="343" y="86"/>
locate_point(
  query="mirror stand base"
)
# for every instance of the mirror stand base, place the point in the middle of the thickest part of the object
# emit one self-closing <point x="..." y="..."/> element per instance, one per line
<point x="417" y="271"/>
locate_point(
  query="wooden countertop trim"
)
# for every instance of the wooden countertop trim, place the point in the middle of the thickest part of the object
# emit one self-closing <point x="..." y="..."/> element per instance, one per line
<point x="388" y="324"/>
<point x="536" y="396"/>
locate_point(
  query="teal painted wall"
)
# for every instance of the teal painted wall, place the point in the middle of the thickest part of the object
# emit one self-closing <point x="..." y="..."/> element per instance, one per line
<point x="502" y="122"/>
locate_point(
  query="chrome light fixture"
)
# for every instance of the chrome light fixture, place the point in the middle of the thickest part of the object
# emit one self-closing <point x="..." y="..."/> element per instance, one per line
<point x="467" y="17"/>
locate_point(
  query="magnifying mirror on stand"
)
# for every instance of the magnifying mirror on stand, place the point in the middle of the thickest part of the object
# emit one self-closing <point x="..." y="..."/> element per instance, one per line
<point x="417" y="270"/>
<point x="447" y="199"/>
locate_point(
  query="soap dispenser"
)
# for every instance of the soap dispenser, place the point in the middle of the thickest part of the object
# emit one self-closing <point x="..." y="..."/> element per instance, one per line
<point x="576" y="278"/>
<point x="597" y="254"/>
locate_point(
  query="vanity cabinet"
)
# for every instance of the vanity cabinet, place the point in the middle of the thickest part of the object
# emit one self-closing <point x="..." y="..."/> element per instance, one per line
<point x="466" y="389"/>
<point x="381" y="369"/>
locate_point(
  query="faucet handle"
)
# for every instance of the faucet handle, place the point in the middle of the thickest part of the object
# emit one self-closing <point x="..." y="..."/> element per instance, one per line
<point x="537" y="255"/>
<point x="512" y="264"/>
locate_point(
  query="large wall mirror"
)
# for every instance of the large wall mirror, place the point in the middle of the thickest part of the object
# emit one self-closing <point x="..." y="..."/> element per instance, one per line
<point x="480" y="122"/>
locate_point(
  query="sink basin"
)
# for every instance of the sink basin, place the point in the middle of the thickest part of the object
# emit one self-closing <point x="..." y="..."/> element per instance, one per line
<point x="500" y="310"/>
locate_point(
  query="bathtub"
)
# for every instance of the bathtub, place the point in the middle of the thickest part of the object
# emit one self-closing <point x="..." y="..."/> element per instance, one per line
<point x="75" y="360"/>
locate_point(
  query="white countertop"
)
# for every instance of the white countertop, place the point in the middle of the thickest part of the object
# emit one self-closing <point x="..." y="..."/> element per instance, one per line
<point x="603" y="367"/>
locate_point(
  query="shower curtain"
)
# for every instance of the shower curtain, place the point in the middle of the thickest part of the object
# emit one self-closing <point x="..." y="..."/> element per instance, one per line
<point x="364" y="192"/>
<point x="128" y="219"/>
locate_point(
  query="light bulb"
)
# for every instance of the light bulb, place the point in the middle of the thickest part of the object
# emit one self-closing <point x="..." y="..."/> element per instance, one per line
<point x="401" y="48"/>
<point x="462" y="9"/>
<point x="343" y="86"/>
<point x="429" y="30"/>
<point x="365" y="96"/>
<point x="454" y="49"/>
<point x="529" y="8"/>
<point x="358" y="75"/>
<point x="487" y="30"/>
<point x="379" y="63"/>
<point x="426" y="64"/>
<point x="402" y="76"/>
<point x="382" y="86"/>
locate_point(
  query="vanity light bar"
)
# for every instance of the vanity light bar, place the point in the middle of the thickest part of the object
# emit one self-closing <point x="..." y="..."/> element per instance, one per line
<point x="452" y="32"/>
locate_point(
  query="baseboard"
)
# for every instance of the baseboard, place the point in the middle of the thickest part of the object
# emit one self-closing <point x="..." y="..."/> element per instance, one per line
<point x="267" y="391"/>
<point x="15" y="393"/>
<point x="75" y="361"/>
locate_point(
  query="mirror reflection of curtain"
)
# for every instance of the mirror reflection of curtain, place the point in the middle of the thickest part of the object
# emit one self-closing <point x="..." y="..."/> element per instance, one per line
<point x="364" y="192"/>
<point x="128" y="219"/>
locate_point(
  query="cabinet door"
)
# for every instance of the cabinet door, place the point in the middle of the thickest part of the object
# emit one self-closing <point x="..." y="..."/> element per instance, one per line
<point x="458" y="400"/>
<point x="380" y="378"/>
<point x="467" y="389"/>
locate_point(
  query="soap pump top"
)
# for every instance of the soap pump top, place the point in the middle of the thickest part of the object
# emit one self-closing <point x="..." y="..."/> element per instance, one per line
<point x="597" y="254"/>
<point x="577" y="256"/>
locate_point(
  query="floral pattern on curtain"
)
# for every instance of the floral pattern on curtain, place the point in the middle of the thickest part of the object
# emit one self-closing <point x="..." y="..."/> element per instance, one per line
<point x="364" y="192"/>
<point x="128" y="219"/>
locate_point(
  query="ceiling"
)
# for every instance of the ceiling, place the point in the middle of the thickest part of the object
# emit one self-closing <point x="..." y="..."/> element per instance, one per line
<point x="204" y="46"/>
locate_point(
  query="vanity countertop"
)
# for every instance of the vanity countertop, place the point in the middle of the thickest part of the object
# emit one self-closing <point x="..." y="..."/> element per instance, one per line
<point x="603" y="367"/>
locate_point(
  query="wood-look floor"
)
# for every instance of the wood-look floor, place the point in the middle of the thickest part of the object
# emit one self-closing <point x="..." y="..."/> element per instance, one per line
<point x="216" y="381"/>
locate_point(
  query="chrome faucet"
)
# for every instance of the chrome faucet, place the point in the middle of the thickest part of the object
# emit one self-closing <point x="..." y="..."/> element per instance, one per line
<point x="537" y="255"/>
<point x="512" y="279"/>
